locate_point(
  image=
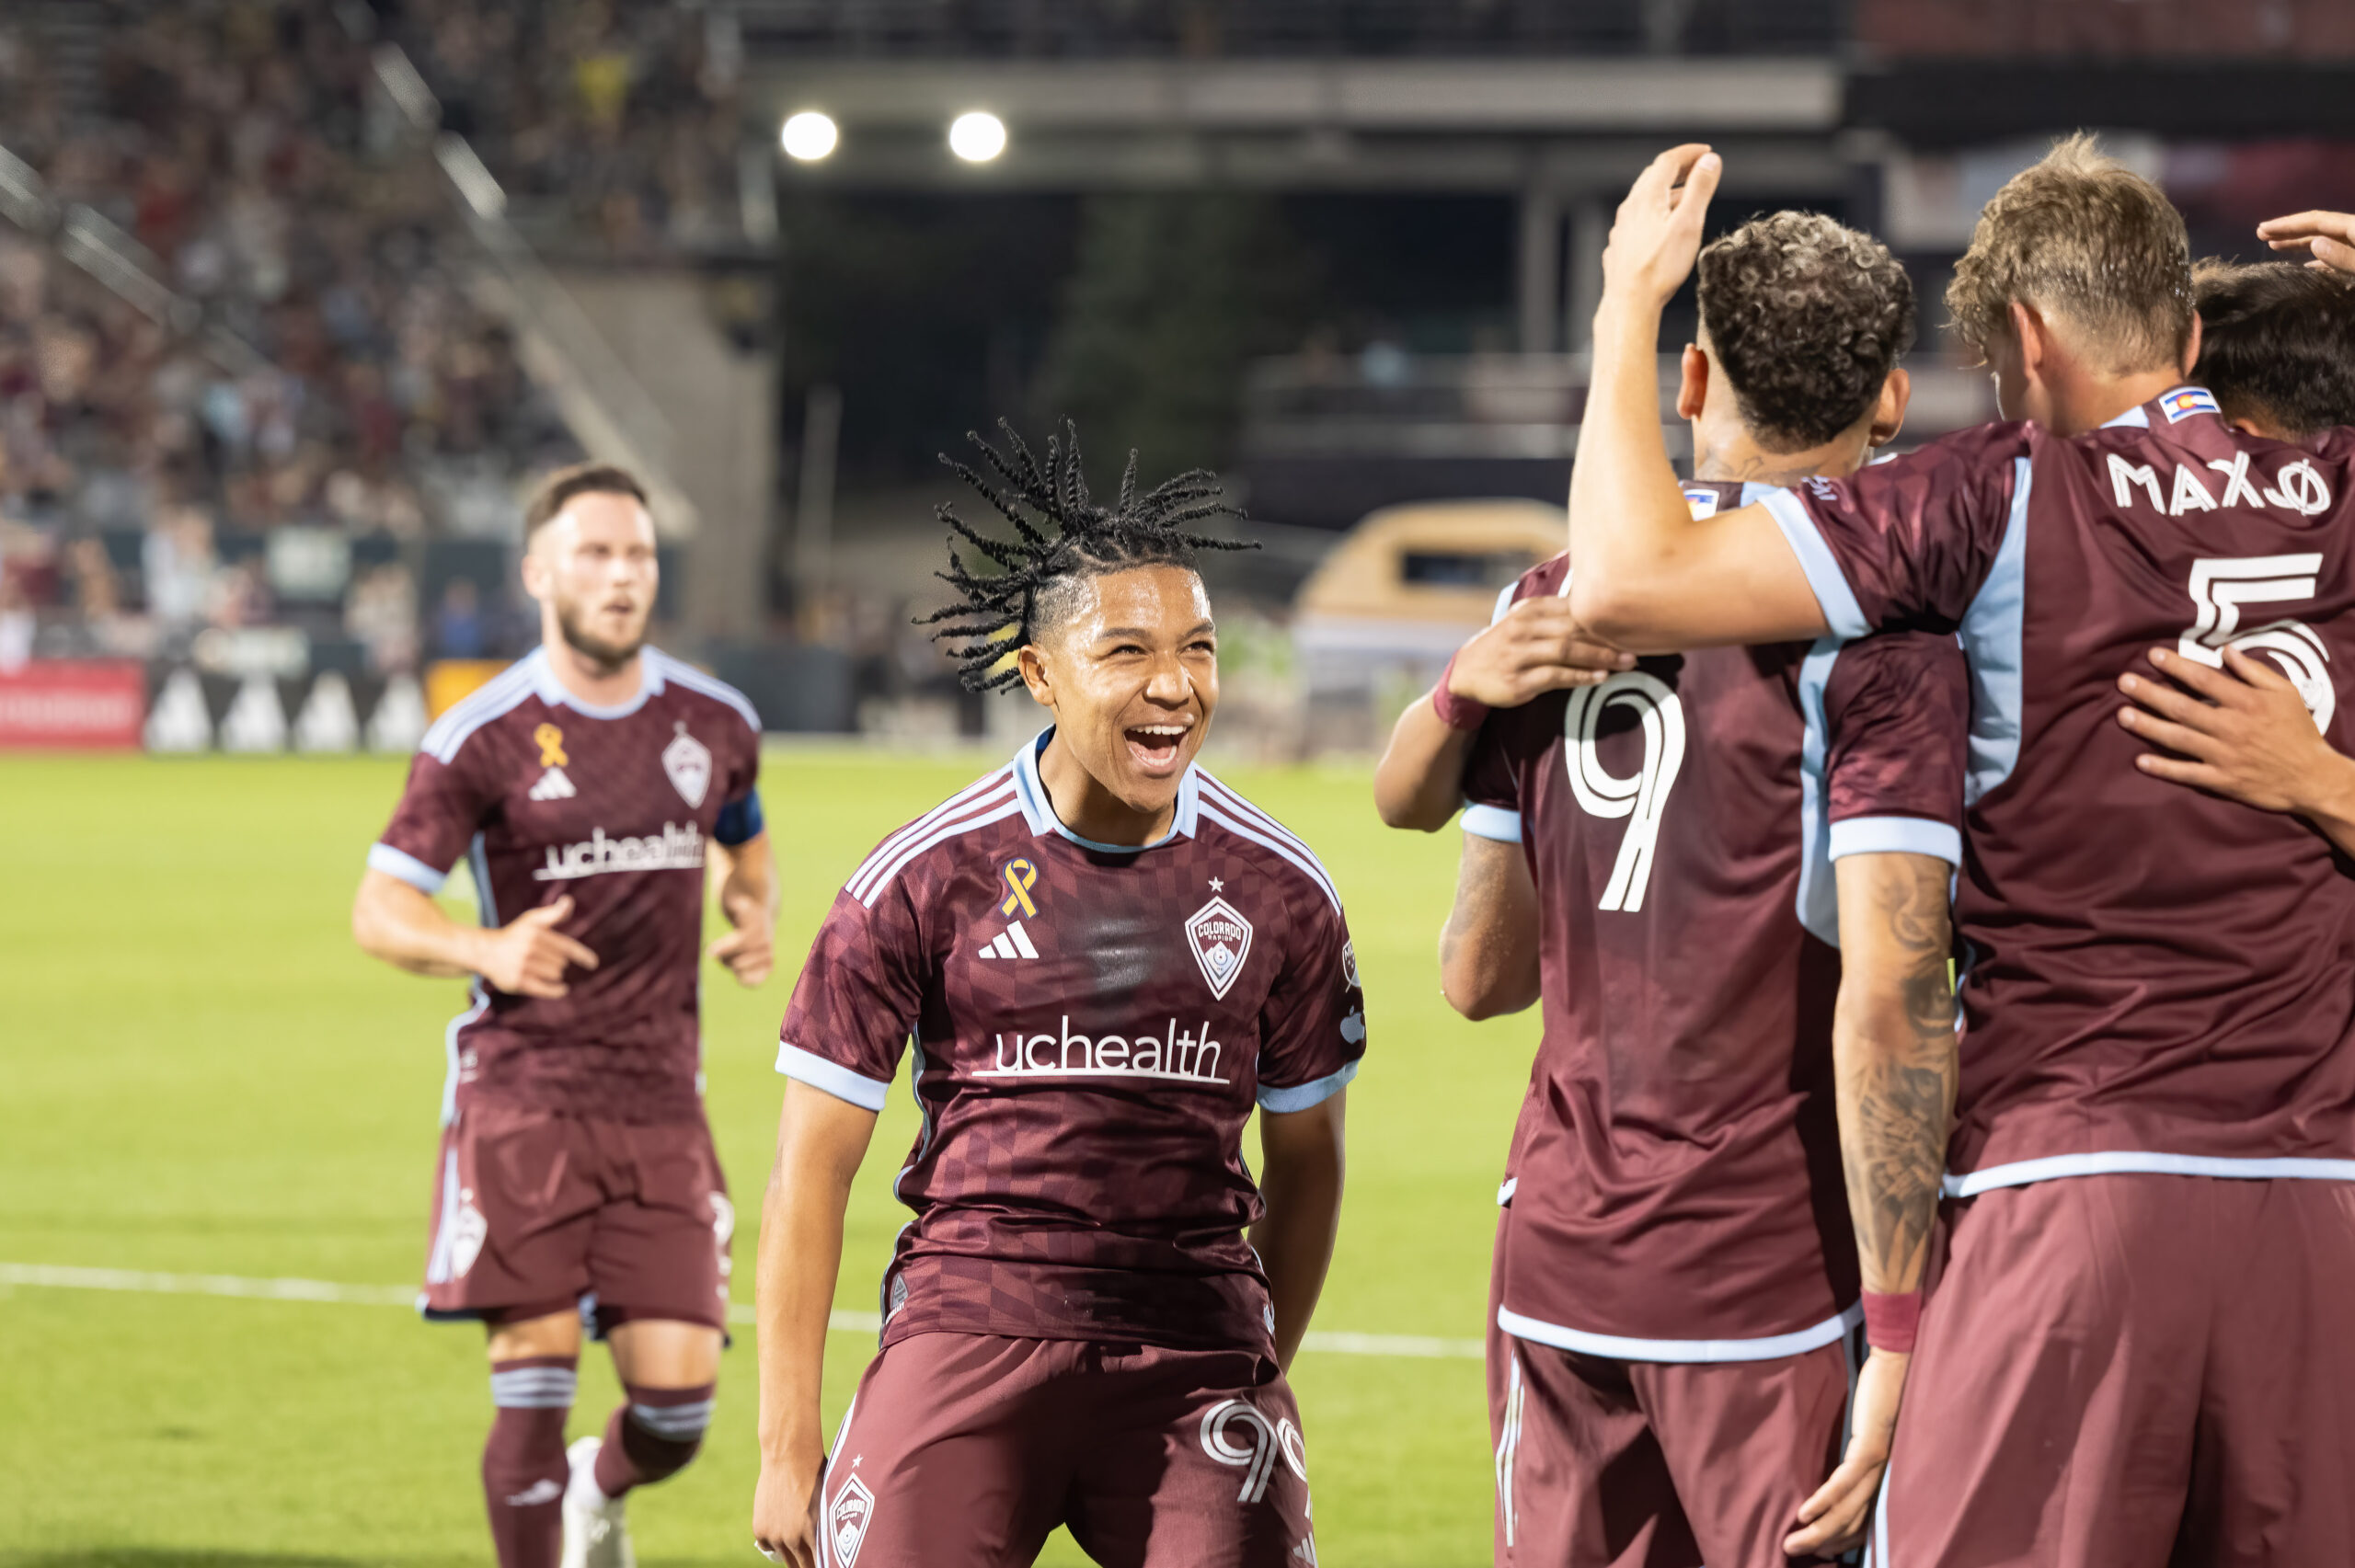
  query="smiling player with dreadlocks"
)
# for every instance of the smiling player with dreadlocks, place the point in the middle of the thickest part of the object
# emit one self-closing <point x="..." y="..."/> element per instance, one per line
<point x="1104" y="958"/>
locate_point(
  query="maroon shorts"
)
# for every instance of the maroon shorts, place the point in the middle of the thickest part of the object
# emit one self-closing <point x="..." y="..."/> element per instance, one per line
<point x="2125" y="1370"/>
<point x="1603" y="1463"/>
<point x="534" y="1212"/>
<point x="965" y="1450"/>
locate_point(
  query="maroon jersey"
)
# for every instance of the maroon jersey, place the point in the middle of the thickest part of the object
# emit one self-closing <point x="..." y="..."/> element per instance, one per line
<point x="1092" y="1026"/>
<point x="548" y="796"/>
<point x="1674" y="1192"/>
<point x="2156" y="980"/>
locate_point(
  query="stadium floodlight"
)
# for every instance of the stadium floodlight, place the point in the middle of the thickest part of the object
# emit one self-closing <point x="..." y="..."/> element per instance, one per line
<point x="977" y="136"/>
<point x="808" y="136"/>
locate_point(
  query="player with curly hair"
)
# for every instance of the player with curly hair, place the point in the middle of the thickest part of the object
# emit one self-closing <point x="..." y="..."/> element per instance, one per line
<point x="1104" y="959"/>
<point x="1665" y="857"/>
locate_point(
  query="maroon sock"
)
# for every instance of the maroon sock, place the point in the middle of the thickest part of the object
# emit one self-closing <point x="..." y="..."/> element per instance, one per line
<point x="652" y="1437"/>
<point x="523" y="1469"/>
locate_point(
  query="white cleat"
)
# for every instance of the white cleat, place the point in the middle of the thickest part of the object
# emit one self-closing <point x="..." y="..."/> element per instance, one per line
<point x="596" y="1532"/>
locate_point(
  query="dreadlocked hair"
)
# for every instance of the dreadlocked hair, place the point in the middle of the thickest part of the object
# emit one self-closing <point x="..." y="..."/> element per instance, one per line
<point x="1011" y="588"/>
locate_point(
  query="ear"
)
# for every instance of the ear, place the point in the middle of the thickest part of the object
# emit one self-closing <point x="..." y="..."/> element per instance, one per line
<point x="1033" y="665"/>
<point x="2192" y="346"/>
<point x="1693" y="389"/>
<point x="2028" y="331"/>
<point x="1888" y="413"/>
<point x="535" y="573"/>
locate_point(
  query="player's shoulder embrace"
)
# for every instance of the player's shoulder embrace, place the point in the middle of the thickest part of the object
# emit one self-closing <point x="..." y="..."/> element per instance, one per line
<point x="1221" y="809"/>
<point x="1539" y="581"/>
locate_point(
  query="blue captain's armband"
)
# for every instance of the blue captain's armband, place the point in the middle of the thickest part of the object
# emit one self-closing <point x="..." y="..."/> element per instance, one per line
<point x="739" y="820"/>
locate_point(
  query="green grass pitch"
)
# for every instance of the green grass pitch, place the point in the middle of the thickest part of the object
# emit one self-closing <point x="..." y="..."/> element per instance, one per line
<point x="203" y="1076"/>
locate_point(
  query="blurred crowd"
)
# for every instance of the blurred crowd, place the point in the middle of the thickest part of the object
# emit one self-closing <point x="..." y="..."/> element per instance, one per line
<point x="259" y="170"/>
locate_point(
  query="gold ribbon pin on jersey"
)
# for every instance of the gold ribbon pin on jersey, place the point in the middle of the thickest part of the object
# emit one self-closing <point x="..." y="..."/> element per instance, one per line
<point x="551" y="741"/>
<point x="1019" y="874"/>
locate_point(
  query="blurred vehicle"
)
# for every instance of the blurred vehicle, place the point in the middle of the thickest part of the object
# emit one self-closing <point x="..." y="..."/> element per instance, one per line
<point x="1376" y="621"/>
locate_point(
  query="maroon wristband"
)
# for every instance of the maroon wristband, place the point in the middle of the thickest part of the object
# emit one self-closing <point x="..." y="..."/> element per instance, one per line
<point x="1456" y="713"/>
<point x="1891" y="1319"/>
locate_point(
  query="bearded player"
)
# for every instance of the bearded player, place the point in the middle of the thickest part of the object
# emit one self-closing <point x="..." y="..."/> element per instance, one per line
<point x="1668" y="860"/>
<point x="2135" y="1352"/>
<point x="1104" y="958"/>
<point x="576" y="1180"/>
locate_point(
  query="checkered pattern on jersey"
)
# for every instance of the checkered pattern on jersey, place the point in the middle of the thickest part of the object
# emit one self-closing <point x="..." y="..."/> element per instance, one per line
<point x="624" y="837"/>
<point x="1080" y="1170"/>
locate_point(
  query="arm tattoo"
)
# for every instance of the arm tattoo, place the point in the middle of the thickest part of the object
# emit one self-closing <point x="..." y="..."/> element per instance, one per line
<point x="1897" y="1083"/>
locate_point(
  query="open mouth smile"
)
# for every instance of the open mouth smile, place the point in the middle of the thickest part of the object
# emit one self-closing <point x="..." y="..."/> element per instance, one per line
<point x="1154" y="747"/>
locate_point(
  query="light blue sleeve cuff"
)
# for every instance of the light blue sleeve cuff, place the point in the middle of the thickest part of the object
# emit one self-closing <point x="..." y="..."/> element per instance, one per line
<point x="832" y="1077"/>
<point x="1492" y="822"/>
<point x="1841" y="613"/>
<point x="408" y="867"/>
<point x="1897" y="835"/>
<point x="1301" y="1096"/>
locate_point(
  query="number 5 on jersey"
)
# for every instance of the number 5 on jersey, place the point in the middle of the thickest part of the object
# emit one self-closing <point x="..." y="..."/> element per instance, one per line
<point x="2221" y="585"/>
<point x="1641" y="798"/>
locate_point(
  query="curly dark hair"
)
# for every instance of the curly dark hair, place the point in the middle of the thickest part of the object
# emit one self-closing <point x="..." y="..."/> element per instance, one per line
<point x="2277" y="344"/>
<point x="1075" y="538"/>
<point x="1808" y="319"/>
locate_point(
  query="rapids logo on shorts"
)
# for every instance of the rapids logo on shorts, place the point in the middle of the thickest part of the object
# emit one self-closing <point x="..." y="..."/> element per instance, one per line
<point x="848" y="1521"/>
<point x="1220" y="940"/>
<point x="688" y="761"/>
<point x="459" y="1236"/>
<point x="1267" y="1441"/>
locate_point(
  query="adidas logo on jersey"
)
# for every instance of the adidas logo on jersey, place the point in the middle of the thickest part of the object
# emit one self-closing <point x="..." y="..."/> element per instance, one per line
<point x="554" y="785"/>
<point x="1012" y="943"/>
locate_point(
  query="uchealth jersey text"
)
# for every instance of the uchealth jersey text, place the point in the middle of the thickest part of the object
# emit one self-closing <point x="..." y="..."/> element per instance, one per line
<point x="546" y="796"/>
<point x="1092" y="1026"/>
<point x="1674" y="1192"/>
<point x="2155" y="978"/>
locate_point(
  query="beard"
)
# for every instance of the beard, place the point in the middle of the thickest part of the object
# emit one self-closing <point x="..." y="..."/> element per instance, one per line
<point x="608" y="656"/>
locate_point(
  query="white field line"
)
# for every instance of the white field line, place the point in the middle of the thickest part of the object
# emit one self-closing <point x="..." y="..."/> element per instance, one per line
<point x="53" y="1276"/>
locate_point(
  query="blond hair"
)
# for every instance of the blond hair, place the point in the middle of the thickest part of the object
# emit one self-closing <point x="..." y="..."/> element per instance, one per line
<point x="2083" y="237"/>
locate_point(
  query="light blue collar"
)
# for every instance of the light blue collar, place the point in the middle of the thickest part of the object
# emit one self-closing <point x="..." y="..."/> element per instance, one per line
<point x="556" y="695"/>
<point x="1039" y="811"/>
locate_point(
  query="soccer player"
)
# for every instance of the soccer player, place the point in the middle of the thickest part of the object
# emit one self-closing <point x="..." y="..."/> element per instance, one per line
<point x="586" y="786"/>
<point x="1655" y="858"/>
<point x="2135" y="1353"/>
<point x="1104" y="958"/>
<point x="2276" y="347"/>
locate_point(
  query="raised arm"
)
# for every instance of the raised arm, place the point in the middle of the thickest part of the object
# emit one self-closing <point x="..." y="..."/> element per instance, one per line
<point x="1646" y="575"/>
<point x="1301" y="1167"/>
<point x="820" y="1142"/>
<point x="1487" y="950"/>
<point x="1535" y="646"/>
<point x="1894" y="1055"/>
